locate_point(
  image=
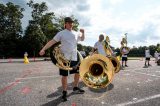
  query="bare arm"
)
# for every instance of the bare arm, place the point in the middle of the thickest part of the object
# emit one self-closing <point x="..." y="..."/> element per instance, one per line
<point x="111" y="51"/>
<point x="83" y="36"/>
<point x="94" y="51"/>
<point x="48" y="45"/>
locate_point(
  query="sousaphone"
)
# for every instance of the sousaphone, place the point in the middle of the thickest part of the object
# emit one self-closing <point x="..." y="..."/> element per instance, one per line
<point x="58" y="58"/>
<point x="96" y="71"/>
<point x="124" y="45"/>
<point x="110" y="55"/>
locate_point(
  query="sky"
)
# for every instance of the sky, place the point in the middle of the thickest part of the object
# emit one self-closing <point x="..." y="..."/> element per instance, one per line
<point x="140" y="19"/>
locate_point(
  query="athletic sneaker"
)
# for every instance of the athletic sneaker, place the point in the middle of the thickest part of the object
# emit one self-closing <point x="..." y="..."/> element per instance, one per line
<point x="145" y="66"/>
<point x="64" y="96"/>
<point x="78" y="90"/>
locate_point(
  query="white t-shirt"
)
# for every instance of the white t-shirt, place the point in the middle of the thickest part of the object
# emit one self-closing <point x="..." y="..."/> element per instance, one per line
<point x="68" y="41"/>
<point x="156" y="54"/>
<point x="99" y="45"/>
<point x="147" y="53"/>
<point x="124" y="50"/>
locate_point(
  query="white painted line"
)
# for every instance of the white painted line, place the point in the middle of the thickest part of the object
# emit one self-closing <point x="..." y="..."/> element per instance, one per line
<point x="37" y="77"/>
<point x="135" y="101"/>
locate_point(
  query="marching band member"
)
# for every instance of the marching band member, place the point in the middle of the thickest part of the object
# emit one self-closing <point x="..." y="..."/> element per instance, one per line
<point x="124" y="51"/>
<point x="147" y="58"/>
<point x="68" y="39"/>
<point x="99" y="46"/>
<point x="124" y="57"/>
<point x="156" y="55"/>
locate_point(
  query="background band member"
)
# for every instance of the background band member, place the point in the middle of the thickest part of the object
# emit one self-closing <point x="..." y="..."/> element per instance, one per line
<point x="98" y="46"/>
<point x="156" y="55"/>
<point x="147" y="57"/>
<point x="68" y="39"/>
<point x="124" y="57"/>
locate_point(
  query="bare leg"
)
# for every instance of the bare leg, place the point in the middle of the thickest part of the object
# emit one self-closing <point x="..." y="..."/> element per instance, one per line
<point x="64" y="83"/>
<point x="145" y="62"/>
<point x="122" y="63"/>
<point x="64" y="86"/>
<point x="148" y="63"/>
<point x="76" y="80"/>
<point x="76" y="89"/>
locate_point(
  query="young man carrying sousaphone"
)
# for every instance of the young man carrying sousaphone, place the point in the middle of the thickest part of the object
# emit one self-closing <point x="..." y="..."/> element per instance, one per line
<point x="103" y="47"/>
<point x="68" y="39"/>
<point x="124" y="52"/>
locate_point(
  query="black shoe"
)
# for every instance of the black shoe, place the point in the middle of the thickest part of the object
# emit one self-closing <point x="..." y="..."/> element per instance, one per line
<point x="64" y="96"/>
<point x="78" y="90"/>
<point x="126" y="66"/>
<point x="145" y="66"/>
<point x="149" y="65"/>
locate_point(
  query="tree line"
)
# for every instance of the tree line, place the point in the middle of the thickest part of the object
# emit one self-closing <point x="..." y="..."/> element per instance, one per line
<point x="41" y="28"/>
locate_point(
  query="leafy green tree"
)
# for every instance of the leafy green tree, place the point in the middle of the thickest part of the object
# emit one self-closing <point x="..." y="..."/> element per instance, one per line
<point x="47" y="26"/>
<point x="10" y="29"/>
<point x="59" y="23"/>
<point x="158" y="48"/>
<point x="79" y="47"/>
<point x="39" y="27"/>
<point x="34" y="39"/>
<point x="152" y="49"/>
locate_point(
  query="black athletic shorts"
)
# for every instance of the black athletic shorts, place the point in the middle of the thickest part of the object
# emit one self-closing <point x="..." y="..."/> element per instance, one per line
<point x="148" y="58"/>
<point x="124" y="59"/>
<point x="66" y="73"/>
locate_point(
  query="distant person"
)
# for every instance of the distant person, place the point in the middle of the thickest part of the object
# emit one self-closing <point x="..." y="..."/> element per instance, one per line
<point x="147" y="58"/>
<point x="158" y="61"/>
<point x="99" y="47"/>
<point x="156" y="55"/>
<point x="124" y="53"/>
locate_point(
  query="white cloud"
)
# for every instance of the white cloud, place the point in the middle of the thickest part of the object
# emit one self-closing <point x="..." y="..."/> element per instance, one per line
<point x="114" y="2"/>
<point x="140" y="18"/>
<point x="143" y="27"/>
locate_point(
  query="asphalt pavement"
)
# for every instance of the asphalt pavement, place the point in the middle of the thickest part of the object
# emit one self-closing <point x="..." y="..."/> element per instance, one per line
<point x="39" y="84"/>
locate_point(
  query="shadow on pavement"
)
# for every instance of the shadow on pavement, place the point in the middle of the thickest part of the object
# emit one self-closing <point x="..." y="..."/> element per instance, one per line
<point x="108" y="88"/>
<point x="58" y="94"/>
<point x="58" y="100"/>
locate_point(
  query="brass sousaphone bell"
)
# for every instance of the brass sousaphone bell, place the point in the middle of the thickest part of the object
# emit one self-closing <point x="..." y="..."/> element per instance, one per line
<point x="109" y="53"/>
<point x="96" y="71"/>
